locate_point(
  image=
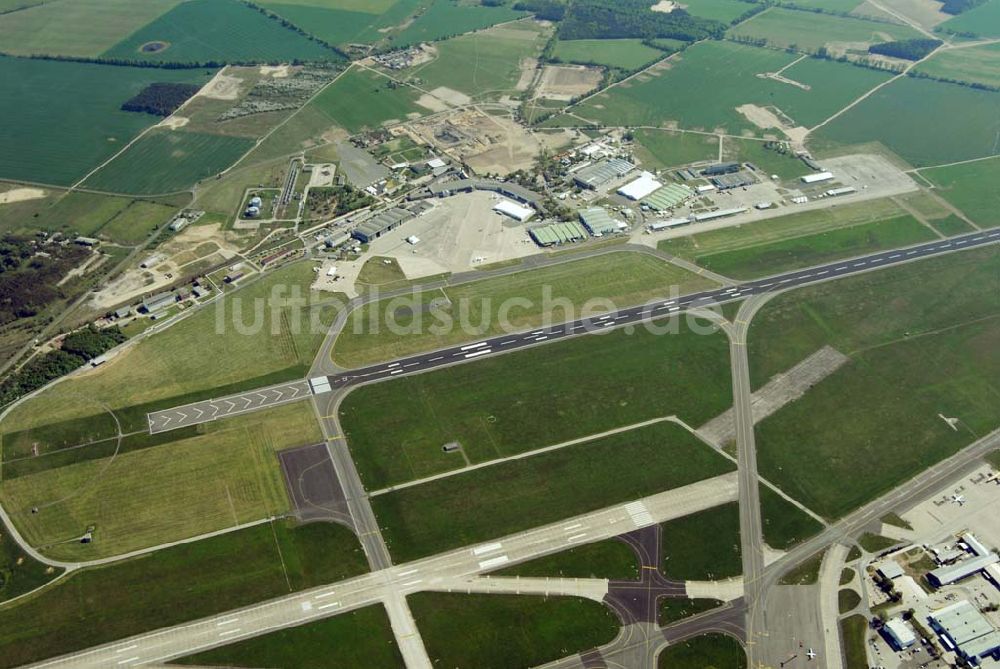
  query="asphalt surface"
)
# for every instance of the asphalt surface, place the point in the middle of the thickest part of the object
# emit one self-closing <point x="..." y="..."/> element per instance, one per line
<point x="636" y="315"/>
<point x="233" y="405"/>
<point x="389" y="586"/>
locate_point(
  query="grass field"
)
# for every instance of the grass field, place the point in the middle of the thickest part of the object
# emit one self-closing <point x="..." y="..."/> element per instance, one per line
<point x="201" y="31"/>
<point x="784" y="523"/>
<point x="518" y="495"/>
<point x="396" y="429"/>
<point x="137" y="221"/>
<point x="661" y="149"/>
<point x="673" y="609"/>
<point x="363" y="98"/>
<point x="166" y="161"/>
<point x="806" y="573"/>
<point x="976" y="65"/>
<point x="487" y="307"/>
<point x="775" y="257"/>
<point x="611" y="558"/>
<point x="983" y="20"/>
<point x="809" y="31"/>
<point x="71" y="213"/>
<point x="711" y="651"/>
<point x="918" y="350"/>
<point x="45" y="140"/>
<point x="951" y="225"/>
<point x="359" y="638"/>
<point x="719" y="76"/>
<point x="84" y="28"/>
<point x="703" y="546"/>
<point x="798" y="239"/>
<point x="463" y="631"/>
<point x="188" y="361"/>
<point x="853" y="631"/>
<point x="484" y="64"/>
<point x="178" y="584"/>
<point x="19" y="572"/>
<point x="969" y="187"/>
<point x="446" y="18"/>
<point x="847" y="600"/>
<point x="226" y="476"/>
<point x="919" y="137"/>
<point x="623" y="54"/>
<point x="725" y="11"/>
<point x="785" y="165"/>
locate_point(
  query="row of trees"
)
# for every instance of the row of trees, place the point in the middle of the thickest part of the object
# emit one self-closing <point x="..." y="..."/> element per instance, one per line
<point x="160" y="99"/>
<point x="614" y="19"/>
<point x="78" y="349"/>
<point x="907" y="49"/>
<point x="959" y="6"/>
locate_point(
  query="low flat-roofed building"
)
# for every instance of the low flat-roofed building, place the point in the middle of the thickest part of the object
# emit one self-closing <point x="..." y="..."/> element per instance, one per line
<point x="558" y="233"/>
<point x="639" y="188"/>
<point x="890" y="569"/>
<point x="899" y="634"/>
<point x="959" y="570"/>
<point x="966" y="630"/>
<point x="733" y="180"/>
<point x="518" y="212"/>
<point x="722" y="213"/>
<point x="721" y="168"/>
<point x="816" y="177"/>
<point x="158" y="302"/>
<point x="668" y="197"/>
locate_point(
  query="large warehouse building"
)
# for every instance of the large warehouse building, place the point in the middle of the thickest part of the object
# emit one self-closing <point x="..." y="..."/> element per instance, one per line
<point x="602" y="173"/>
<point x="668" y="197"/>
<point x="375" y="227"/>
<point x="641" y="187"/>
<point x="518" y="212"/>
<point x="598" y="222"/>
<point x="558" y="233"/>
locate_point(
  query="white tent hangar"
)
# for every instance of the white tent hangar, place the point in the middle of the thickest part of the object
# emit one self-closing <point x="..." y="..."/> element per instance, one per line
<point x="517" y="212"/>
<point x="645" y="185"/>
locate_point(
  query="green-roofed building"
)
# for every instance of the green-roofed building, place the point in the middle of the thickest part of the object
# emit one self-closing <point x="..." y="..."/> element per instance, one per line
<point x="668" y="197"/>
<point x="558" y="233"/>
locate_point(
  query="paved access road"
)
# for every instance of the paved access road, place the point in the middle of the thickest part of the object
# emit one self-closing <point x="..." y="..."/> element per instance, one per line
<point x="389" y="585"/>
<point x="209" y="410"/>
<point x="635" y="315"/>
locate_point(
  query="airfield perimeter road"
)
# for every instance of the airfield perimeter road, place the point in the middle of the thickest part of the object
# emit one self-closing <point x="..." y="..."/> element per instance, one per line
<point x="389" y="585"/>
<point x="635" y="315"/>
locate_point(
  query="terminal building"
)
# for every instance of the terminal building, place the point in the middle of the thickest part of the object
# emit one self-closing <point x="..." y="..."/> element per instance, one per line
<point x="965" y="630"/>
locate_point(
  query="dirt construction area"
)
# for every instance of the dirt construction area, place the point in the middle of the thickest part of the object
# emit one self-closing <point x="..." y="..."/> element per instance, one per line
<point x="460" y="233"/>
<point x="565" y="82"/>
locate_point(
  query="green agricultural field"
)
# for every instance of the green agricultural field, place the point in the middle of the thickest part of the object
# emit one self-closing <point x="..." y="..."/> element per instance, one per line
<point x="446" y="18"/>
<point x="767" y="259"/>
<point x="73" y="213"/>
<point x="673" y="609"/>
<point x="918" y="350"/>
<point x="83" y="28"/>
<point x="611" y="558"/>
<point x="829" y="5"/>
<point x="784" y="523"/>
<point x="725" y="11"/>
<point x="19" y="572"/>
<point x="45" y="140"/>
<point x="199" y="31"/>
<point x="919" y="136"/>
<point x="737" y="248"/>
<point x="975" y="65"/>
<point x="622" y="54"/>
<point x="359" y="638"/>
<point x="718" y="77"/>
<point x="660" y="149"/>
<point x="225" y="476"/>
<point x="810" y="31"/>
<point x="184" y="363"/>
<point x="703" y="546"/>
<point x="517" y="495"/>
<point x="463" y="631"/>
<point x="496" y="408"/>
<point x="983" y="20"/>
<point x="137" y="222"/>
<point x="484" y="308"/>
<point x="168" y="161"/>
<point x="484" y="64"/>
<point x="175" y="585"/>
<point x="345" y="21"/>
<point x="708" y="651"/>
<point x="971" y="188"/>
<point x="770" y="161"/>
<point x="363" y="98"/>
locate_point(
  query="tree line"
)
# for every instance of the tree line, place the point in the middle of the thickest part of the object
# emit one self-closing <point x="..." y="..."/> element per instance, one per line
<point x="160" y="99"/>
<point x="616" y="19"/>
<point x="907" y="49"/>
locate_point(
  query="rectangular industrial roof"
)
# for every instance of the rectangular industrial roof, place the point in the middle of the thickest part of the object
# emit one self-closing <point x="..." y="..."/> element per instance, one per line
<point x="959" y="570"/>
<point x="603" y="172"/>
<point x="558" y="233"/>
<point x="668" y="197"/>
<point x="816" y="177"/>
<point x="968" y="628"/>
<point x="641" y="187"/>
<point x="598" y="221"/>
<point x="385" y="220"/>
<point x="514" y="210"/>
